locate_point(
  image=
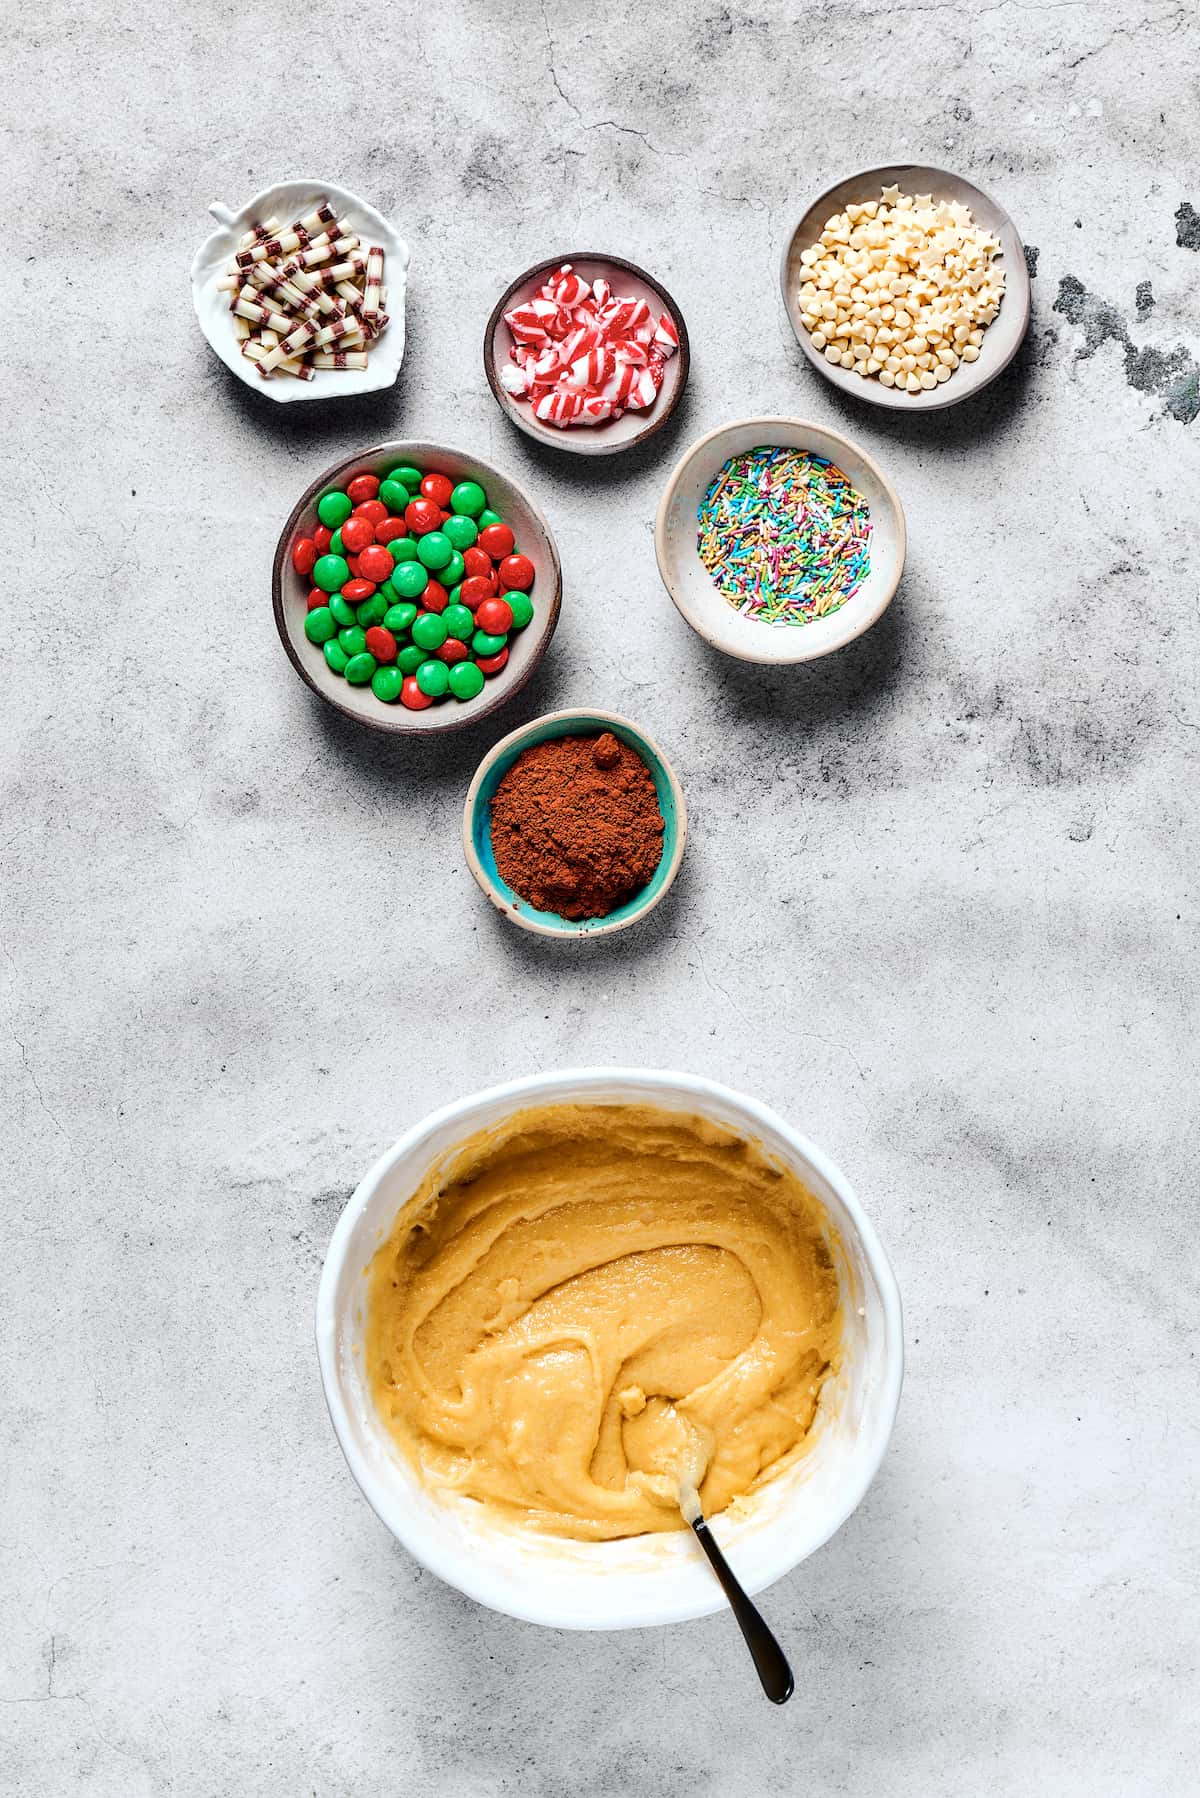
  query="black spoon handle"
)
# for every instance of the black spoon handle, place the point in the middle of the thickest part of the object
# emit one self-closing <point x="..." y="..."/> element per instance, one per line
<point x="770" y="1663"/>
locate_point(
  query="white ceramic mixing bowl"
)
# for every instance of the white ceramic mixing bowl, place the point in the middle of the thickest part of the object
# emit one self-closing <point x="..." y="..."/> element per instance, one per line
<point x="647" y="1579"/>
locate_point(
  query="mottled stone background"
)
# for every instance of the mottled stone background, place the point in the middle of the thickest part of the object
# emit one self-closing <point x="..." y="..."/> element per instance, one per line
<point x="940" y="904"/>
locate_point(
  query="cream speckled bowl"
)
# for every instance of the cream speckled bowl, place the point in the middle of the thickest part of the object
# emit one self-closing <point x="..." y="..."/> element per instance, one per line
<point x="693" y="589"/>
<point x="646" y="1579"/>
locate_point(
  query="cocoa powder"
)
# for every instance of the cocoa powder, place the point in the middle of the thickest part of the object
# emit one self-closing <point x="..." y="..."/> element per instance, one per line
<point x="576" y="827"/>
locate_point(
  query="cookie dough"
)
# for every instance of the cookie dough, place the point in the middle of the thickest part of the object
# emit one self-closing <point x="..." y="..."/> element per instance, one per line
<point x="594" y="1306"/>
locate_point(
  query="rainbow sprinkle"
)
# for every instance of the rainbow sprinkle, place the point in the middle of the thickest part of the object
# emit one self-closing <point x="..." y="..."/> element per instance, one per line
<point x="784" y="535"/>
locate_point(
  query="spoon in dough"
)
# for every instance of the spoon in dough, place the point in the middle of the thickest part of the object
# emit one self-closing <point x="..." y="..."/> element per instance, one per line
<point x="670" y="1454"/>
<point x="770" y="1662"/>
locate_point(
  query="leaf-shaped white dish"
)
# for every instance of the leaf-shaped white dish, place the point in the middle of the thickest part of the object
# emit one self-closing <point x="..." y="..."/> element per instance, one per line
<point x="286" y="201"/>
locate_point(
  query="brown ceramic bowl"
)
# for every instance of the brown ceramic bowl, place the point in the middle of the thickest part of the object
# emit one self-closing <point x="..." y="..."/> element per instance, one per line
<point x="526" y="648"/>
<point x="619" y="433"/>
<point x="1004" y="335"/>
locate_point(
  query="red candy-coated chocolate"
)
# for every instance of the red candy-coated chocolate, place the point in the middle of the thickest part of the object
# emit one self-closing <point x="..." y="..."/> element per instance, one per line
<point x="373" y="509"/>
<point x="474" y="591"/>
<point x="357" y="533"/>
<point x="390" y="529"/>
<point x="363" y="486"/>
<point x="434" y="598"/>
<point x="304" y="555"/>
<point x="352" y="565"/>
<point x="452" y="651"/>
<point x="495" y="617"/>
<point x="381" y="643"/>
<point x="516" y="571"/>
<point x="316" y="598"/>
<point x="421" y="515"/>
<point x="375" y="563"/>
<point x="322" y="537"/>
<point x="358" y="590"/>
<point x="476" y="561"/>
<point x="497" y="541"/>
<point x="437" y="488"/>
<point x="412" y="696"/>
<point x="490" y="665"/>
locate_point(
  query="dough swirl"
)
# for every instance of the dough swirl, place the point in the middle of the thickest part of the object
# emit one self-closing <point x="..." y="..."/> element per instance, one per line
<point x="592" y="1303"/>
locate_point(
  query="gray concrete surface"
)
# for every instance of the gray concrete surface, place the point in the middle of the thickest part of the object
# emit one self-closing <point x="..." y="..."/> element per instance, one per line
<point x="940" y="905"/>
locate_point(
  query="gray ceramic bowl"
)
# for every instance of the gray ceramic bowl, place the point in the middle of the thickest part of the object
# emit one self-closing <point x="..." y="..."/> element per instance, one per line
<point x="526" y="648"/>
<point x="619" y="433"/>
<point x="1001" y="340"/>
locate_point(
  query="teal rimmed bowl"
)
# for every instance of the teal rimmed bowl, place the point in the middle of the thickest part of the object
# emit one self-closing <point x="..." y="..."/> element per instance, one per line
<point x="477" y="823"/>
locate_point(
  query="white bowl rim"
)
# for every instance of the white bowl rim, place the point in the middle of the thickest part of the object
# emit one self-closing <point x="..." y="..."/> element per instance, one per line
<point x="949" y="393"/>
<point x="571" y="1085"/>
<point x="532" y="920"/>
<point x="379" y="373"/>
<point x="861" y="619"/>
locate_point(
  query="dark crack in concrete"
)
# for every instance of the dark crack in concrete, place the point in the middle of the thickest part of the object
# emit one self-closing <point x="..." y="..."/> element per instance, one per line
<point x="1170" y="375"/>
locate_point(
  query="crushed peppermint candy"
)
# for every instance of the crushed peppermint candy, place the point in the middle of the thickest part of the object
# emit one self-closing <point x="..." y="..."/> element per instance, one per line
<point x="583" y="355"/>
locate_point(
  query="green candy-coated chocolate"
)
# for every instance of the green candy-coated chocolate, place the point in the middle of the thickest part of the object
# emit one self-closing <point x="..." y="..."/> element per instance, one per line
<point x="453" y="572"/>
<point x="360" y="668"/>
<point x="466" y="681"/>
<point x="410" y="579"/>
<point x="386" y="684"/>
<point x="388" y="591"/>
<point x="402" y="549"/>
<point x="336" y="657"/>
<point x="456" y="595"/>
<point x="330" y="573"/>
<point x="407" y="475"/>
<point x="411" y="658"/>
<point x="459" y="622"/>
<point x="334" y="509"/>
<point x="397" y="618"/>
<point x="486" y="517"/>
<point x="433" y="678"/>
<point x="320" y="625"/>
<point x="394" y="496"/>
<point x="353" y="639"/>
<point x="469" y="497"/>
<point x="336" y="546"/>
<point x="461" y="530"/>
<point x="428" y="630"/>
<point x="435" y="549"/>
<point x="521" y="607"/>
<point x="341" y="608"/>
<point x="483" y="643"/>
<point x="372" y="611"/>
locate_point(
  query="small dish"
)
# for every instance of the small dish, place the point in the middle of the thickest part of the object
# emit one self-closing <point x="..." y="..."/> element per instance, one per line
<point x="534" y="539"/>
<point x="477" y="834"/>
<point x="693" y="589"/>
<point x="641" y="1580"/>
<point x="1004" y="335"/>
<point x="288" y="200"/>
<point x="619" y="433"/>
